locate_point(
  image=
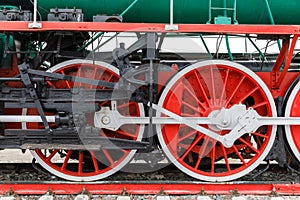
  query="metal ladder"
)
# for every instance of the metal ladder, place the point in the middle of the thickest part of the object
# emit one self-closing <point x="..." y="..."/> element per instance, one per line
<point x="222" y="19"/>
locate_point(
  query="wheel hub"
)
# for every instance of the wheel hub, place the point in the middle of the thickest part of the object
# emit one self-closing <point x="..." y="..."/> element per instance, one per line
<point x="226" y="119"/>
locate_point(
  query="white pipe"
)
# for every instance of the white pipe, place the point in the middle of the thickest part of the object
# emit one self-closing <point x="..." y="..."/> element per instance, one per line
<point x="34" y="11"/>
<point x="34" y="24"/>
<point x="27" y="118"/>
<point x="171" y="13"/>
<point x="171" y="26"/>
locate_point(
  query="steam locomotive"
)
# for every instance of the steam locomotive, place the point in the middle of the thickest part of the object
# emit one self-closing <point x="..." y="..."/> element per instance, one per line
<point x="85" y="113"/>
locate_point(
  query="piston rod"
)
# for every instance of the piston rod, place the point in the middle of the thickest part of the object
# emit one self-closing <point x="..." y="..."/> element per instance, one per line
<point x="21" y="118"/>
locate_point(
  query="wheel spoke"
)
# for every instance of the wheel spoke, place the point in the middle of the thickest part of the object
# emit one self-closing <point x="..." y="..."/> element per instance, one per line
<point x="201" y="87"/>
<point x="248" y="94"/>
<point x="202" y="151"/>
<point x="79" y="74"/>
<point x="110" y="78"/>
<point x="126" y="134"/>
<point x="239" y="155"/>
<point x="249" y="145"/>
<point x="95" y="162"/>
<point x="213" y="157"/>
<point x="213" y="95"/>
<point x="259" y="135"/>
<point x="235" y="90"/>
<point x="191" y="107"/>
<point x="194" y="97"/>
<point x="52" y="154"/>
<point x="193" y="132"/>
<point x="50" y="83"/>
<point x="66" y="81"/>
<point x="80" y="163"/>
<point x="66" y="160"/>
<point x="108" y="157"/>
<point x="225" y="157"/>
<point x="187" y="115"/>
<point x="264" y="103"/>
<point x="94" y="76"/>
<point x="125" y="151"/>
<point x="224" y="87"/>
<point x="194" y="143"/>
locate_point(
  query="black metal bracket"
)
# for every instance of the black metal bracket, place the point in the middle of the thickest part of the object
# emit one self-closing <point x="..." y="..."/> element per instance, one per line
<point x="23" y="68"/>
<point x="131" y="76"/>
<point x="128" y="72"/>
<point x="121" y="54"/>
<point x="15" y="15"/>
<point x="278" y="152"/>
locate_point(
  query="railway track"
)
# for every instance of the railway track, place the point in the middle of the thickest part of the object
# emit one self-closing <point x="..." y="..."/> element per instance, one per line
<point x="28" y="179"/>
<point x="32" y="173"/>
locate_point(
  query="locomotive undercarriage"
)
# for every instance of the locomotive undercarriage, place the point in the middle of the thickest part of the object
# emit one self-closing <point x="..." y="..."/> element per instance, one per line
<point x="206" y="117"/>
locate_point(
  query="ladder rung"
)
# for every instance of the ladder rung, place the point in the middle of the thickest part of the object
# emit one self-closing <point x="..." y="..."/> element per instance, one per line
<point x="219" y="8"/>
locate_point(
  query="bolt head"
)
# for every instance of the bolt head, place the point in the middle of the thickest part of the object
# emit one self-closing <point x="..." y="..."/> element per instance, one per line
<point x="224" y="122"/>
<point x="105" y="120"/>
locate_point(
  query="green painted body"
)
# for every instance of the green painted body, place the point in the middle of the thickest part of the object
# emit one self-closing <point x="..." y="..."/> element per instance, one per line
<point x="5" y="60"/>
<point x="185" y="11"/>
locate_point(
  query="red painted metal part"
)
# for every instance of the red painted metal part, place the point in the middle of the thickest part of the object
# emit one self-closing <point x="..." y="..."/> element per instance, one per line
<point x="145" y="188"/>
<point x="148" y="27"/>
<point x="281" y="56"/>
<point x="281" y="90"/>
<point x="286" y="54"/>
<point x="288" y="61"/>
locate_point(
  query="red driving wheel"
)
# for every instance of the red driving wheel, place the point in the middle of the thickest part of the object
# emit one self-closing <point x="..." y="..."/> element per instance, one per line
<point x="199" y="91"/>
<point x="89" y="165"/>
<point x="292" y="131"/>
